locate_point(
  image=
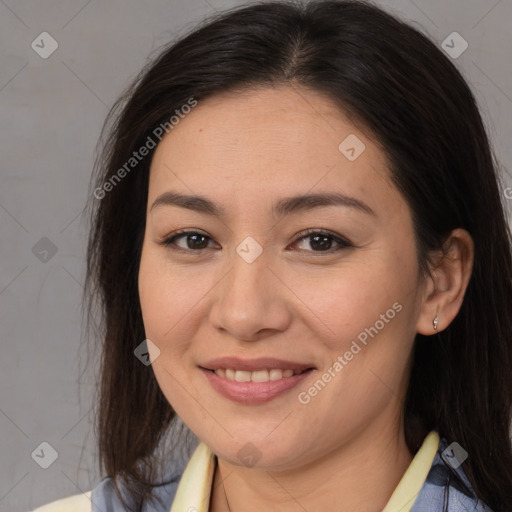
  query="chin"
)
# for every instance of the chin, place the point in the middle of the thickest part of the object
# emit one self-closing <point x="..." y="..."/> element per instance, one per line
<point x="258" y="452"/>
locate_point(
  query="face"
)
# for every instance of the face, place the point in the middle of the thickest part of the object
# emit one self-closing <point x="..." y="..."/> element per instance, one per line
<point x="330" y="288"/>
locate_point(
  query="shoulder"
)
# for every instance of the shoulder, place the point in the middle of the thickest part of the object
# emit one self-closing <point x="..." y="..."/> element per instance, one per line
<point x="447" y="488"/>
<point x="103" y="498"/>
<point x="75" y="503"/>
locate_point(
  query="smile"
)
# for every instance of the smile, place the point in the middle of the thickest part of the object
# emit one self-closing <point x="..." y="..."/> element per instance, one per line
<point x="256" y="376"/>
<point x="253" y="387"/>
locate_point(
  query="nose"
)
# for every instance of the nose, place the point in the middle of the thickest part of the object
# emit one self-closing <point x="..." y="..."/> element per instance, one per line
<point x="250" y="302"/>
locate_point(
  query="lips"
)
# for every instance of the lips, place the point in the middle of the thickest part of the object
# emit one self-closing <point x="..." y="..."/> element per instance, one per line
<point x="254" y="387"/>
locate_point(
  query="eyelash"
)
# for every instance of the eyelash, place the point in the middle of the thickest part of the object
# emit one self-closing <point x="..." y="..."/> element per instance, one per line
<point x="169" y="242"/>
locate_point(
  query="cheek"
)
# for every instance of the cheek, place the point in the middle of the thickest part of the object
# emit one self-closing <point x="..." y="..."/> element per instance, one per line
<point x="362" y="313"/>
<point x="344" y="301"/>
<point x="151" y="295"/>
<point x="166" y="295"/>
<point x="163" y="305"/>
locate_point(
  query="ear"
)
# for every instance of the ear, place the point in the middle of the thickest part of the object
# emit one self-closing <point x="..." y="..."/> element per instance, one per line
<point x="447" y="284"/>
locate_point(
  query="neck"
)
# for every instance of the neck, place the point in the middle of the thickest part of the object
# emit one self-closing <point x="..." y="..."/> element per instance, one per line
<point x="359" y="475"/>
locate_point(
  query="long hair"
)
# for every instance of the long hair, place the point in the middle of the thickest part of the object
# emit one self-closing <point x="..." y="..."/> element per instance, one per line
<point x="395" y="82"/>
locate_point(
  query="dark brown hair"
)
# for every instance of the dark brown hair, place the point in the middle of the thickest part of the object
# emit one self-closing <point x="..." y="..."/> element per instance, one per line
<point x="408" y="94"/>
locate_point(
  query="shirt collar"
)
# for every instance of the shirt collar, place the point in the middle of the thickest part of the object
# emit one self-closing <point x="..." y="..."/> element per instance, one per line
<point x="194" y="489"/>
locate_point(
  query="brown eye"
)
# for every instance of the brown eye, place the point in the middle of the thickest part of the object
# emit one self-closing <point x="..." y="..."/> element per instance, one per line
<point x="194" y="241"/>
<point x="322" y="241"/>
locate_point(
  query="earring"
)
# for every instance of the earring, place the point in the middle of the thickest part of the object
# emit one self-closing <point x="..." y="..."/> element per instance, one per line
<point x="435" y="323"/>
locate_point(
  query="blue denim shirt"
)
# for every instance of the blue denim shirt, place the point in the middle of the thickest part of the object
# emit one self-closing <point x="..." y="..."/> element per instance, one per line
<point x="446" y="489"/>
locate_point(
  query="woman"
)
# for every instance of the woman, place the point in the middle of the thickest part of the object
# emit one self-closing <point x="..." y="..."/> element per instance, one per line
<point x="301" y="253"/>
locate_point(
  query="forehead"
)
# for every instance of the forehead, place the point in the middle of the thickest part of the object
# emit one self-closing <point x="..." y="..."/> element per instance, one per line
<point x="255" y="144"/>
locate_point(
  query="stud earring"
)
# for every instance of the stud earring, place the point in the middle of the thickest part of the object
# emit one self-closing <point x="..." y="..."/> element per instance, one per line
<point x="435" y="323"/>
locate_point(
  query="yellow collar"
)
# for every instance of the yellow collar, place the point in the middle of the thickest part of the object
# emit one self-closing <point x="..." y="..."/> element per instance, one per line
<point x="193" y="493"/>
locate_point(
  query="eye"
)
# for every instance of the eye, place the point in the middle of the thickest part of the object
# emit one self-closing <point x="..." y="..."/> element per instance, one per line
<point x="320" y="239"/>
<point x="194" y="241"/>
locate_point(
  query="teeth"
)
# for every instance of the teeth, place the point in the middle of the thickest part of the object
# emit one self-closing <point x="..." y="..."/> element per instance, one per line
<point x="241" y="376"/>
<point x="276" y="374"/>
<point x="256" y="376"/>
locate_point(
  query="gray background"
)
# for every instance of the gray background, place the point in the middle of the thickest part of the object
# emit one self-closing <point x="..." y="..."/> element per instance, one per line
<point x="51" y="113"/>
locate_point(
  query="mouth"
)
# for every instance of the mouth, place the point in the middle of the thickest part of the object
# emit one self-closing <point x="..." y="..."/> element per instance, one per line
<point x="254" y="387"/>
<point x="263" y="375"/>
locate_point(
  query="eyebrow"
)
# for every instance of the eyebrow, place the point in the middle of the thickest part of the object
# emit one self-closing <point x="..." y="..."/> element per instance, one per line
<point x="285" y="206"/>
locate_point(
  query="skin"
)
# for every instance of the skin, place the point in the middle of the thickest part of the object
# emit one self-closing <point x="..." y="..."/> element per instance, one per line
<point x="294" y="302"/>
